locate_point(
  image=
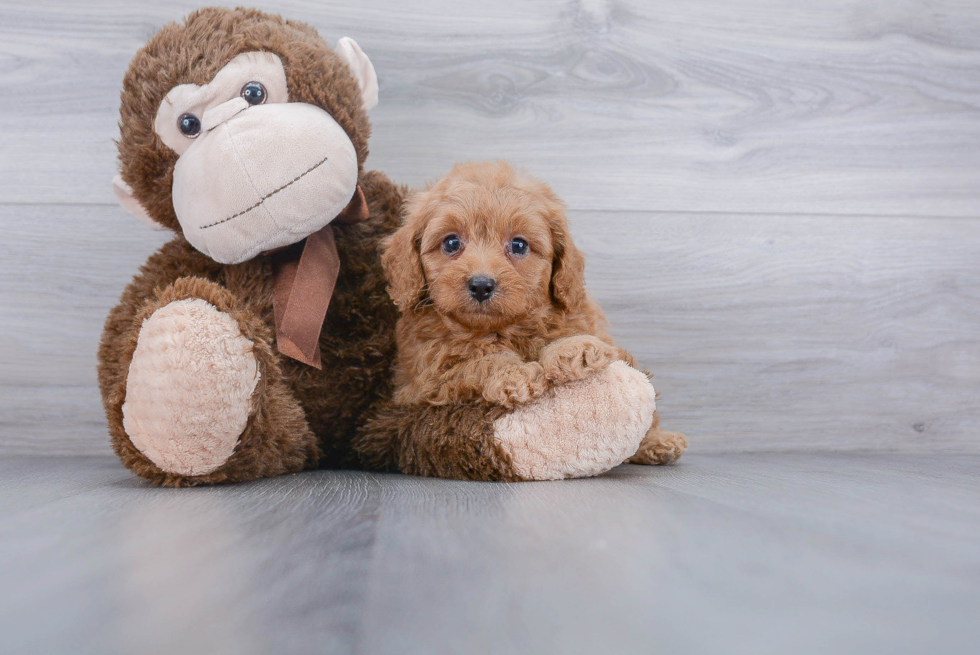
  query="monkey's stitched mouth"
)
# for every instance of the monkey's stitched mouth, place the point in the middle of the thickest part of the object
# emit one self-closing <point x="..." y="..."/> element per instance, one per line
<point x="268" y="195"/>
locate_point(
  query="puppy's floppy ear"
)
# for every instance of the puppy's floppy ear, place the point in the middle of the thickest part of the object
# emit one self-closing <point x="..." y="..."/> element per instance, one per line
<point x="400" y="255"/>
<point x="567" y="272"/>
<point x="568" y="263"/>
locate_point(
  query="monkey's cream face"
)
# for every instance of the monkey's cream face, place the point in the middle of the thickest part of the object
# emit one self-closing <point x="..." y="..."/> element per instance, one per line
<point x="255" y="171"/>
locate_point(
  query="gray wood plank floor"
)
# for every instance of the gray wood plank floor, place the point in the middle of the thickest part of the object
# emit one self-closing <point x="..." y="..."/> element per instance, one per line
<point x="771" y="553"/>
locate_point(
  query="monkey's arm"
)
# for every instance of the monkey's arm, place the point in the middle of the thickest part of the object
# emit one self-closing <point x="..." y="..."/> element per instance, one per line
<point x="575" y="430"/>
<point x="446" y="441"/>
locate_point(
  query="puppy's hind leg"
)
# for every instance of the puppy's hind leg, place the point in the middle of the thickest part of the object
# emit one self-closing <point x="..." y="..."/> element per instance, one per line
<point x="659" y="446"/>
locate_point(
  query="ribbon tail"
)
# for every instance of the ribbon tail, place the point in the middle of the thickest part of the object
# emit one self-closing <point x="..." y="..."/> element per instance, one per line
<point x="302" y="289"/>
<point x="302" y="295"/>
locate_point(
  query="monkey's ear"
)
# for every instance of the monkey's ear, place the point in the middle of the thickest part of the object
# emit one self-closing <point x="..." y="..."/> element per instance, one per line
<point x="124" y="194"/>
<point x="362" y="68"/>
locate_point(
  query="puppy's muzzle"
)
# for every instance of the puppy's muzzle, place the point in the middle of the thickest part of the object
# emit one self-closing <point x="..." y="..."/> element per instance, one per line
<point x="481" y="288"/>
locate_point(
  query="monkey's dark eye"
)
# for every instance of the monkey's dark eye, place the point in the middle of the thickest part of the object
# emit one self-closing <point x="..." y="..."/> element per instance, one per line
<point x="189" y="125"/>
<point x="254" y="93"/>
<point x="518" y="246"/>
<point x="451" y="244"/>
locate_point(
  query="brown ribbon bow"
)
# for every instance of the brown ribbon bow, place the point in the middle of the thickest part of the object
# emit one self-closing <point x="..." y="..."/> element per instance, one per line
<point x="305" y="278"/>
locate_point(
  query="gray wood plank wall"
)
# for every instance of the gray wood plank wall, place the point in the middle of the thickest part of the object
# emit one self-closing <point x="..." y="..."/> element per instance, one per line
<point x="780" y="202"/>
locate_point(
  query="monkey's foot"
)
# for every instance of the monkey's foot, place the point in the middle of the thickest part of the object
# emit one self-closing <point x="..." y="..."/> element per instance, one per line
<point x="581" y="428"/>
<point x="189" y="389"/>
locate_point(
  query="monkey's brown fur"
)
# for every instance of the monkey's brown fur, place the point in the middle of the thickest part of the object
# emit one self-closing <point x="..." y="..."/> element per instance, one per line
<point x="450" y="441"/>
<point x="540" y="328"/>
<point x="301" y="417"/>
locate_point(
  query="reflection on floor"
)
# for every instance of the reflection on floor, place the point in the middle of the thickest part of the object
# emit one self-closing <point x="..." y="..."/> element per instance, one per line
<point x="780" y="553"/>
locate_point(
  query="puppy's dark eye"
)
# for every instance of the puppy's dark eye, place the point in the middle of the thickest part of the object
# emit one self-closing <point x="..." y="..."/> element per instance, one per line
<point x="518" y="246"/>
<point x="451" y="244"/>
<point x="254" y="93"/>
<point x="189" y="125"/>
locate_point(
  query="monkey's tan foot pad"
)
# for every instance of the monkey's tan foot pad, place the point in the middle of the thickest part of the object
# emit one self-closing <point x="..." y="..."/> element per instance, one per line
<point x="581" y="428"/>
<point x="189" y="390"/>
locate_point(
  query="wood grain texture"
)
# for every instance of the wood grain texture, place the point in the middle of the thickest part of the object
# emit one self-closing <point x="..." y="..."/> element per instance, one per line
<point x="816" y="333"/>
<point x="774" y="553"/>
<point x="819" y="333"/>
<point x="64" y="267"/>
<point x="839" y="106"/>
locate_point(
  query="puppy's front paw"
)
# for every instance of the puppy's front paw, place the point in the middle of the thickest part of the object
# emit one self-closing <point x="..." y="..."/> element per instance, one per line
<point x="515" y="385"/>
<point x="576" y="358"/>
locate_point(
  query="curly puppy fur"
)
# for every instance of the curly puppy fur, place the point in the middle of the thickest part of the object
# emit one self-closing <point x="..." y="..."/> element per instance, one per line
<point x="538" y="329"/>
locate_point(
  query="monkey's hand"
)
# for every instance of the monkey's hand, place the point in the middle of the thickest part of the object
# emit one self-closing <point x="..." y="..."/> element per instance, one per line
<point x="576" y="358"/>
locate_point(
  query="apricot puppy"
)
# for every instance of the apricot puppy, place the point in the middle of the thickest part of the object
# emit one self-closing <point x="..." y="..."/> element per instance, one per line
<point x="492" y="297"/>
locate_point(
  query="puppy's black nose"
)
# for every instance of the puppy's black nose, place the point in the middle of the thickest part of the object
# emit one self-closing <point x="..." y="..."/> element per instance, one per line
<point x="481" y="288"/>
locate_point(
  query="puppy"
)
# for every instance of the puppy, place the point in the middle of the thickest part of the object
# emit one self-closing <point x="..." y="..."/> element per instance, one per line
<point x="492" y="297"/>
